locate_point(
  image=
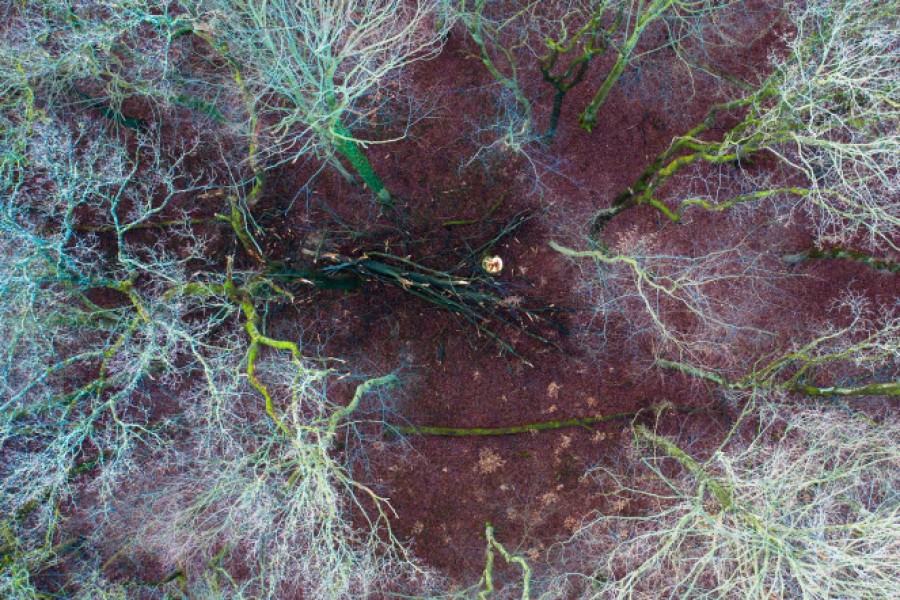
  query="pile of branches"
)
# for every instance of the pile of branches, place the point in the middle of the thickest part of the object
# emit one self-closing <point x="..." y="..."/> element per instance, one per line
<point x="476" y="297"/>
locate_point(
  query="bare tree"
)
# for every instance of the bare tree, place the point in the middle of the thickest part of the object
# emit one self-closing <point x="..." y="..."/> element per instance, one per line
<point x="829" y="113"/>
<point x="677" y="305"/>
<point x="311" y="70"/>
<point x="129" y="350"/>
<point x="796" y="502"/>
<point x="563" y="39"/>
<point x="860" y="358"/>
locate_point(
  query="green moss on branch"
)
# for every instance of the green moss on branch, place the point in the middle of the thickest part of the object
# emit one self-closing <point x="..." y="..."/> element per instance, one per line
<point x="513" y="430"/>
<point x="488" y="576"/>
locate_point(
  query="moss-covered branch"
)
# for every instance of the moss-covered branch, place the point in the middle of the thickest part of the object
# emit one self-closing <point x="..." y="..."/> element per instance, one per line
<point x="653" y="11"/>
<point x="720" y="490"/>
<point x="512" y="430"/>
<point x="361" y="390"/>
<point x="837" y="252"/>
<point x="593" y="40"/>
<point x="765" y="379"/>
<point x="477" y="27"/>
<point x="488" y="576"/>
<point x="687" y="150"/>
<point x="349" y="148"/>
<point x="249" y="105"/>
<point x="257" y="339"/>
